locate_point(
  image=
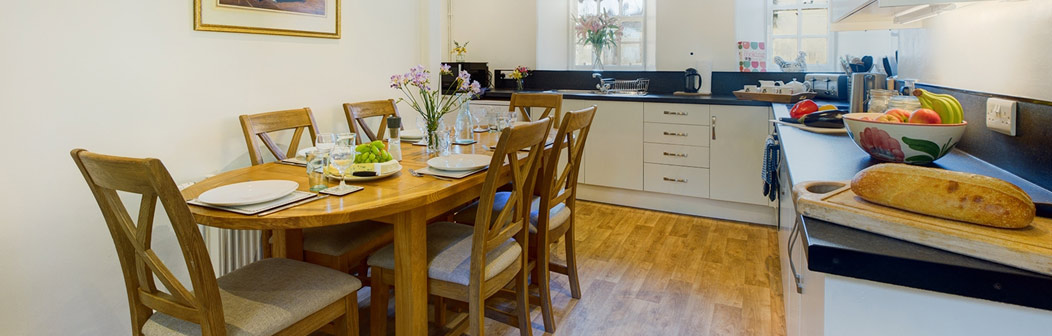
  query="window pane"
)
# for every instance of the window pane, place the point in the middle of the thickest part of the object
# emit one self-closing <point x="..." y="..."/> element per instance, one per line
<point x="633" y="31"/>
<point x="785" y="47"/>
<point x="632" y="7"/>
<point x="631" y="54"/>
<point x="814" y="21"/>
<point x="582" y="55"/>
<point x="817" y="50"/>
<point x="784" y="22"/>
<point x="586" y="7"/>
<point x="609" y="6"/>
<point x="785" y="2"/>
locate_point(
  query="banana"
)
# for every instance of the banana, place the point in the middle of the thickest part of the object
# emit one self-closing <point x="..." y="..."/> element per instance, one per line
<point x="948" y="108"/>
<point x="954" y="105"/>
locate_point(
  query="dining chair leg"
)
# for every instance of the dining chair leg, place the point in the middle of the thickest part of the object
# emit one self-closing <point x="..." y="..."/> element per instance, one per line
<point x="476" y="316"/>
<point x="522" y="291"/>
<point x="264" y="239"/>
<point x="571" y="262"/>
<point x="347" y="325"/>
<point x="440" y="311"/>
<point x="380" y="296"/>
<point x="543" y="280"/>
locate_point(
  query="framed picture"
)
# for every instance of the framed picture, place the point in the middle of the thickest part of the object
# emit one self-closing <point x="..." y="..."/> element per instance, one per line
<point x="308" y="18"/>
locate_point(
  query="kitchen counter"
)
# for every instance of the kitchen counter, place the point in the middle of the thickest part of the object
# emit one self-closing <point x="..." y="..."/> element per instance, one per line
<point x="843" y="251"/>
<point x="655" y="98"/>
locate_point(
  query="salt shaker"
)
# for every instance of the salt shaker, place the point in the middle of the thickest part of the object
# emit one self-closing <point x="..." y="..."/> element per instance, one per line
<point x="394" y="143"/>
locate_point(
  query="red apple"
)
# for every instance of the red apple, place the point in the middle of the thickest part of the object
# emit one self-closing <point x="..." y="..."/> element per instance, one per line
<point x="903" y="115"/>
<point x="889" y="119"/>
<point x="925" y="116"/>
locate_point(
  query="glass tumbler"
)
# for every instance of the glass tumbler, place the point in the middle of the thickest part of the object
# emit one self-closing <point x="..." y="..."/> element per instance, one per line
<point x="317" y="160"/>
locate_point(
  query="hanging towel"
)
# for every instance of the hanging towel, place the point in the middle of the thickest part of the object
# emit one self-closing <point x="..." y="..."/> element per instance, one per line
<point x="769" y="173"/>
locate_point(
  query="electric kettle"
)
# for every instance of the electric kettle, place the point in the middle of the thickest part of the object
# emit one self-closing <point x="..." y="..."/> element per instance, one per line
<point x="693" y="81"/>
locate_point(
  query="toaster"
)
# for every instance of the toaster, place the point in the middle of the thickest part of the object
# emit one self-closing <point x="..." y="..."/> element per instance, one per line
<point x="830" y="86"/>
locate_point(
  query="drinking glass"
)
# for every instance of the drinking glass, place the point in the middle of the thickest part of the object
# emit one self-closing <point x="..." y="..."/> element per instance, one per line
<point x="443" y="142"/>
<point x="341" y="158"/>
<point x="317" y="160"/>
<point x="346" y="139"/>
<point x="478" y="113"/>
<point x="325" y="141"/>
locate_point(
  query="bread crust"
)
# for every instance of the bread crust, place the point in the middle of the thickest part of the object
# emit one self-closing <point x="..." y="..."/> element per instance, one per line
<point x="947" y="194"/>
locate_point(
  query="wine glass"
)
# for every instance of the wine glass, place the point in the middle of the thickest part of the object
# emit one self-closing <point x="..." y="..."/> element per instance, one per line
<point x="341" y="158"/>
<point x="346" y="139"/>
<point x="325" y="141"/>
<point x="477" y="114"/>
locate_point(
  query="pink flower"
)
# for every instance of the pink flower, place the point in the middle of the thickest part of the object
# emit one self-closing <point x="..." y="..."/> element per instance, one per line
<point x="880" y="145"/>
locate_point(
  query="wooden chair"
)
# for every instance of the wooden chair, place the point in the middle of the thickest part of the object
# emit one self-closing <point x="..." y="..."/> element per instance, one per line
<point x="472" y="263"/>
<point x="551" y="102"/>
<point x="557" y="197"/>
<point x="356" y="114"/>
<point x="268" y="297"/>
<point x="342" y="247"/>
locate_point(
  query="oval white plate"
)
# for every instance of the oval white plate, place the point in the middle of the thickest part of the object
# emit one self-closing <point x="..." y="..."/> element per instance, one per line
<point x="248" y="192"/>
<point x="459" y="162"/>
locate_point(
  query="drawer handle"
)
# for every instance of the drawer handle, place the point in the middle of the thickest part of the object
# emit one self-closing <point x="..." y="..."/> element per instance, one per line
<point x="713" y="127"/>
<point x="674" y="133"/>
<point x="675" y="154"/>
<point x="669" y="179"/>
<point x="675" y="113"/>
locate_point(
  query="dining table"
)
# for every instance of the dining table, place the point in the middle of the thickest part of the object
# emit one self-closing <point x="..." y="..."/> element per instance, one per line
<point x="405" y="201"/>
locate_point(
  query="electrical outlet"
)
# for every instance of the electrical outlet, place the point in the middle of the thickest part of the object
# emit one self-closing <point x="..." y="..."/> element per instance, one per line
<point x="1001" y="115"/>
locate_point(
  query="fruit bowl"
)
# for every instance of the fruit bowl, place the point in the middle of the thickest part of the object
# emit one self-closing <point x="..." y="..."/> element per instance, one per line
<point x="902" y="142"/>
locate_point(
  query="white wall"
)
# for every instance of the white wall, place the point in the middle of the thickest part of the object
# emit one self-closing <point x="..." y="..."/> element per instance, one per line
<point x="131" y="77"/>
<point x="705" y="27"/>
<point x="501" y="32"/>
<point x="999" y="47"/>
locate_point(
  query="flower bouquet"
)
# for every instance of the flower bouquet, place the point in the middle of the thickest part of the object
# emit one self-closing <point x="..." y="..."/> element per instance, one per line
<point x="433" y="104"/>
<point x="598" y="32"/>
<point x="519" y="74"/>
<point x="460" y="50"/>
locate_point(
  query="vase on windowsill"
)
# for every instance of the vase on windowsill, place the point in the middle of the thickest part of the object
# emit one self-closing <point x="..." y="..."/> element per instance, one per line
<point x="597" y="58"/>
<point x="518" y="84"/>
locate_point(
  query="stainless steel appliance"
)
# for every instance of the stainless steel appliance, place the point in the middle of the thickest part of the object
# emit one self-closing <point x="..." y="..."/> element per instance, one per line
<point x="860" y="85"/>
<point x="831" y="86"/>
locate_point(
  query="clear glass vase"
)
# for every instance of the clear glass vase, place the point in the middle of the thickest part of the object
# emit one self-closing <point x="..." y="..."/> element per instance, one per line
<point x="518" y="84"/>
<point x="436" y="135"/>
<point x="597" y="58"/>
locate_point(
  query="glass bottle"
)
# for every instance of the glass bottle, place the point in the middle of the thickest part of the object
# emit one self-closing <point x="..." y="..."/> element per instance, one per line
<point x="464" y="125"/>
<point x="394" y="140"/>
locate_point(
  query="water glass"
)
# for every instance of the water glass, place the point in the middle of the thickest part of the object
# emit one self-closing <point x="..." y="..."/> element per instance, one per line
<point x="317" y="160"/>
<point x="346" y="139"/>
<point x="444" y="139"/>
<point x="325" y="141"/>
<point x="341" y="158"/>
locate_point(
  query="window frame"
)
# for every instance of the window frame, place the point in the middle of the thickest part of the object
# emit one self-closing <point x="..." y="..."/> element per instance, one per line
<point x="800" y="6"/>
<point x="642" y="42"/>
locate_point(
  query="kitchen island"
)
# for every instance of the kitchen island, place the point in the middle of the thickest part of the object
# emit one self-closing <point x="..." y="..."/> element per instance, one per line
<point x="853" y="282"/>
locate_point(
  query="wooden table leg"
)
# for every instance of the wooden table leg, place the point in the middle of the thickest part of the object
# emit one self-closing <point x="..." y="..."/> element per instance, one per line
<point x="410" y="242"/>
<point x="288" y="244"/>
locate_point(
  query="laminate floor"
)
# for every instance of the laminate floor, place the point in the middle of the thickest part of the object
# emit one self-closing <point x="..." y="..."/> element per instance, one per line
<point x="653" y="273"/>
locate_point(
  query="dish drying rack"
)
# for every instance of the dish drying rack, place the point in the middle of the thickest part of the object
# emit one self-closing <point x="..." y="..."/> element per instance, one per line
<point x="637" y="86"/>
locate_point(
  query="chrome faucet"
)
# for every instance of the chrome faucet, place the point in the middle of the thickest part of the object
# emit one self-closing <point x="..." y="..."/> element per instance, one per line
<point x="602" y="86"/>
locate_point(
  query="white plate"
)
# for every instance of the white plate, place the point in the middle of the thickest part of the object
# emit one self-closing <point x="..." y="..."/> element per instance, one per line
<point x="248" y="192"/>
<point x="364" y="178"/>
<point x="459" y="162"/>
<point x="411" y="134"/>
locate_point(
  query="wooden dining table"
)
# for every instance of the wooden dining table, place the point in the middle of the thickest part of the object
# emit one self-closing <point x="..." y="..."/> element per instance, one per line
<point x="402" y="200"/>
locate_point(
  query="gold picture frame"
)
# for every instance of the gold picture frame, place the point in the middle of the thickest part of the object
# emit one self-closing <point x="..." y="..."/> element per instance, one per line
<point x="203" y="23"/>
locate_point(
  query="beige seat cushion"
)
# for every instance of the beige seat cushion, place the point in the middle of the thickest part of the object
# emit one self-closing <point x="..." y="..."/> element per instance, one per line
<point x="559" y="213"/>
<point x="266" y="297"/>
<point x="337" y="240"/>
<point x="449" y="254"/>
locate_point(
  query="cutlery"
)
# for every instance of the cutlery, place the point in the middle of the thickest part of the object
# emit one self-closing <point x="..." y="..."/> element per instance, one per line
<point x="415" y="173"/>
<point x="286" y="206"/>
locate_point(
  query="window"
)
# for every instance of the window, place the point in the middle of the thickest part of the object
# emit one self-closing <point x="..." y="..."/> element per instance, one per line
<point x="630" y="52"/>
<point x="800" y="25"/>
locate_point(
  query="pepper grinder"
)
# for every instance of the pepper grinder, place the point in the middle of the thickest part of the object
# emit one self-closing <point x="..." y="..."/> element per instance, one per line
<point x="394" y="142"/>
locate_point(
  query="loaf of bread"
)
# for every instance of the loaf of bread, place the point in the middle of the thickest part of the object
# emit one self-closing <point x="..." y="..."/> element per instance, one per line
<point x="947" y="194"/>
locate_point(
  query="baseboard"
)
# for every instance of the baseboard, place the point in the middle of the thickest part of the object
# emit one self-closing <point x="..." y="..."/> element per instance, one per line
<point x="693" y="206"/>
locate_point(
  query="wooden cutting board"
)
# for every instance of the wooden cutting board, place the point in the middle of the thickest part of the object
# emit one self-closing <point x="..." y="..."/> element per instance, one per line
<point x="1029" y="248"/>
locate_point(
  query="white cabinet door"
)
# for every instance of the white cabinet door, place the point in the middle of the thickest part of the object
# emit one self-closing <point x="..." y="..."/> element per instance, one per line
<point x="613" y="154"/>
<point x="736" y="153"/>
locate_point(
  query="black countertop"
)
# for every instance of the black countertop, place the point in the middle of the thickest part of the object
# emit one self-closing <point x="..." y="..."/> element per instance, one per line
<point x="844" y="251"/>
<point x="650" y="97"/>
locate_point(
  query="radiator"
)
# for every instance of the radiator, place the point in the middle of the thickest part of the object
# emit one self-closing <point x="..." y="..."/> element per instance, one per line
<point x="232" y="249"/>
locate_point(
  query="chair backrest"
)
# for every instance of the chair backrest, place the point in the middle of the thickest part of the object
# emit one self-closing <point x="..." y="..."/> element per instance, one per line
<point x="523" y="172"/>
<point x="356" y="114"/>
<point x="106" y="175"/>
<point x="257" y="128"/>
<point x="561" y="186"/>
<point x="551" y="102"/>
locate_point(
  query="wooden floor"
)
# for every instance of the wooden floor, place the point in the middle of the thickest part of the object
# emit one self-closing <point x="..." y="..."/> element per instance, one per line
<point x="653" y="273"/>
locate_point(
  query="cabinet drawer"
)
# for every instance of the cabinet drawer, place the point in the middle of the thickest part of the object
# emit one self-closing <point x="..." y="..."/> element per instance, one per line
<point x="676" y="155"/>
<point x="687" y="114"/>
<point x="691" y="135"/>
<point x="685" y="181"/>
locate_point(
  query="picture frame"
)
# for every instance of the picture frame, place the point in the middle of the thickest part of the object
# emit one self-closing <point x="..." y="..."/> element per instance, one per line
<point x="303" y="18"/>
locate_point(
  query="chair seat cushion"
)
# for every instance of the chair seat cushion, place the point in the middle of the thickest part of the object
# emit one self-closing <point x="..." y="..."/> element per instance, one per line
<point x="449" y="254"/>
<point x="559" y="213"/>
<point x="337" y="240"/>
<point x="266" y="297"/>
